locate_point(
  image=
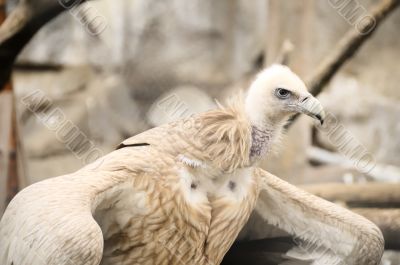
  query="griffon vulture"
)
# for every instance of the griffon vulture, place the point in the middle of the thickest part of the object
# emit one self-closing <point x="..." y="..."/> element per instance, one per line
<point x="181" y="193"/>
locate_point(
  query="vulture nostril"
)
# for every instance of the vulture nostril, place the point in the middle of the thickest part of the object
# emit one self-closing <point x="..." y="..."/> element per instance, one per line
<point x="304" y="99"/>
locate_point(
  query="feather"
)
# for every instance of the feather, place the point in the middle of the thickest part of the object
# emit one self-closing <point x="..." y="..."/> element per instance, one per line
<point x="131" y="145"/>
<point x="323" y="233"/>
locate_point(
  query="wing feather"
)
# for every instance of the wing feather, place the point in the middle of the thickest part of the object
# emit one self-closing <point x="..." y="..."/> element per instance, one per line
<point x="38" y="231"/>
<point x="322" y="232"/>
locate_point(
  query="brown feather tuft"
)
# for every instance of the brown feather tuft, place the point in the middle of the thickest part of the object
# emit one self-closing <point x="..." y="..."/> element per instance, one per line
<point x="226" y="135"/>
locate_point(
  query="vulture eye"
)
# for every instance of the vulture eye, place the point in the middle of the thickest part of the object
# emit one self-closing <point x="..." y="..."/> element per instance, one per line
<point x="282" y="93"/>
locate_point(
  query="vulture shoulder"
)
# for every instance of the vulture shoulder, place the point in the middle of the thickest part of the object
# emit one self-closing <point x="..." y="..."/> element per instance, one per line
<point x="220" y="137"/>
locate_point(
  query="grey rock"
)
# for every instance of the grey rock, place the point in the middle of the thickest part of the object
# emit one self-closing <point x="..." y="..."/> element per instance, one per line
<point x="179" y="103"/>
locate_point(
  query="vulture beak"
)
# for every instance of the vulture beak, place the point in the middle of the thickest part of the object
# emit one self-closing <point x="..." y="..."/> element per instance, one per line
<point x="311" y="106"/>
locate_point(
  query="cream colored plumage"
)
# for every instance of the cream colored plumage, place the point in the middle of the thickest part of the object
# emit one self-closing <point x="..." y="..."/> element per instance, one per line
<point x="181" y="193"/>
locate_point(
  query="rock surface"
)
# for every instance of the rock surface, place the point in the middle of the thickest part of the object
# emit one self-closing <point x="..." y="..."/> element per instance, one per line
<point x="120" y="57"/>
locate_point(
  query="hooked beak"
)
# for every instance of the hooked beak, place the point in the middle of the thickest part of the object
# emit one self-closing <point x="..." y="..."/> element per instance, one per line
<point x="313" y="108"/>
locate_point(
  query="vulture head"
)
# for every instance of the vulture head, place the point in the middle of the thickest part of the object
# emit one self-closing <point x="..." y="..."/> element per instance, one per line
<point x="276" y="94"/>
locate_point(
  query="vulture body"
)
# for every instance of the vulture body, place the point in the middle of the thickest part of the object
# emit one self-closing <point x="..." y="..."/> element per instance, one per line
<point x="182" y="192"/>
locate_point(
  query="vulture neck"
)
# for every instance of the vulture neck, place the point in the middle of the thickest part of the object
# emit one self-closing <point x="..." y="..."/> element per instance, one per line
<point x="264" y="135"/>
<point x="266" y="125"/>
<point x="260" y="142"/>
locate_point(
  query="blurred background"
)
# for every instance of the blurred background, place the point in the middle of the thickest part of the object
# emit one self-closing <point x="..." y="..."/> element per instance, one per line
<point x="86" y="75"/>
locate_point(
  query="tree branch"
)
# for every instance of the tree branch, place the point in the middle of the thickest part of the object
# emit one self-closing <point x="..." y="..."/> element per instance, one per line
<point x="358" y="195"/>
<point x="346" y="48"/>
<point x="349" y="45"/>
<point x="20" y="26"/>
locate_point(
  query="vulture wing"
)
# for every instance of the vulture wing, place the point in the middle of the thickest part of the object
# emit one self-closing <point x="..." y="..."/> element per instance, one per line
<point x="103" y="211"/>
<point x="80" y="218"/>
<point x="74" y="219"/>
<point x="57" y="221"/>
<point x="291" y="226"/>
<point x="50" y="223"/>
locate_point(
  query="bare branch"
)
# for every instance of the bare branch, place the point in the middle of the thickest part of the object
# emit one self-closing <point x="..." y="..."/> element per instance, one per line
<point x="21" y="25"/>
<point x="349" y="45"/>
<point x="358" y="195"/>
<point x="285" y="52"/>
<point x="346" y="48"/>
